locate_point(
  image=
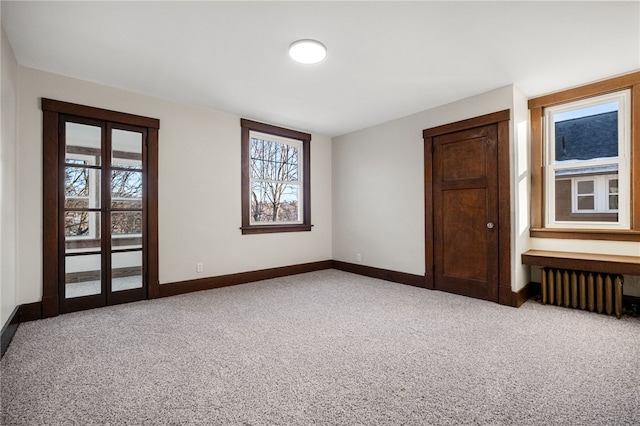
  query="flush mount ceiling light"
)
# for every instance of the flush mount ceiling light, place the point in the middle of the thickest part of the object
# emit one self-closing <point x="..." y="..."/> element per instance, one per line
<point x="307" y="51"/>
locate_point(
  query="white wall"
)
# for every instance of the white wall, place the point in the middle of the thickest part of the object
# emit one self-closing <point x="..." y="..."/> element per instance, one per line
<point x="520" y="189"/>
<point x="199" y="187"/>
<point x="8" y="181"/>
<point x="378" y="186"/>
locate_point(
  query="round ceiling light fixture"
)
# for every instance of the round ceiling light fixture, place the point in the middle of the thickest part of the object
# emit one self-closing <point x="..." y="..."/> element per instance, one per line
<point x="307" y="51"/>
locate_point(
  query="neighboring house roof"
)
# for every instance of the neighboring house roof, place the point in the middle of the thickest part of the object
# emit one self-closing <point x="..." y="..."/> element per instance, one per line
<point x="595" y="136"/>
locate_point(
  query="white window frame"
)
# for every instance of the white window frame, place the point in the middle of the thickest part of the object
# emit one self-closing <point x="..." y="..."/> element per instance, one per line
<point x="622" y="161"/>
<point x="600" y="194"/>
<point x="608" y="192"/>
<point x="298" y="144"/>
<point x="575" y="182"/>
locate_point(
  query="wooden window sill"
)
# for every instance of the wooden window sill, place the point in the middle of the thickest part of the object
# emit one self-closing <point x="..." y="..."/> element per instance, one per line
<point x="270" y="229"/>
<point x="585" y="234"/>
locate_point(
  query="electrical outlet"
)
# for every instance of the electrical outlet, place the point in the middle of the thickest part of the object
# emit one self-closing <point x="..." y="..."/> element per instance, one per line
<point x="199" y="267"/>
<point x="358" y="257"/>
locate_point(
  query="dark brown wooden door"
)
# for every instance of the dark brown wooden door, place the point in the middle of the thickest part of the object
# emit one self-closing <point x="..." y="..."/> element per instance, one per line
<point x="465" y="212"/>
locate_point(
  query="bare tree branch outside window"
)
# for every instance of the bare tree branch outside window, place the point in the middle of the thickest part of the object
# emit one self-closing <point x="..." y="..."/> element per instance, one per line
<point x="275" y="184"/>
<point x="82" y="192"/>
<point x="77" y="193"/>
<point x="126" y="193"/>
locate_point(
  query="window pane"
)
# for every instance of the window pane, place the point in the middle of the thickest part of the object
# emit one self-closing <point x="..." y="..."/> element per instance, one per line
<point x="613" y="202"/>
<point x="289" y="211"/>
<point x="587" y="133"/>
<point x="586" y="202"/>
<point x="126" y="189"/>
<point x="563" y="198"/>
<point x="585" y="187"/>
<point x="85" y="141"/>
<point x="126" y="147"/>
<point x="274" y="202"/>
<point x="583" y="200"/>
<point x="613" y="186"/>
<point x="273" y="161"/>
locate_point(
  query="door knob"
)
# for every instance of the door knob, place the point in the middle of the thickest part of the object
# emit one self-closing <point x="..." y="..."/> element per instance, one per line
<point x="490" y="225"/>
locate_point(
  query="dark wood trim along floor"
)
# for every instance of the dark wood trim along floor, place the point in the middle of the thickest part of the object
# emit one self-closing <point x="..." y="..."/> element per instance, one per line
<point x="524" y="294"/>
<point x="9" y="329"/>
<point x="382" y="274"/>
<point x="31" y="311"/>
<point x="516" y="298"/>
<point x="209" y="283"/>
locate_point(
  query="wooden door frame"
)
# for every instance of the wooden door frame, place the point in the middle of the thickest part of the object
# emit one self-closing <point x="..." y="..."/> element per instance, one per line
<point x="52" y="110"/>
<point x="501" y="119"/>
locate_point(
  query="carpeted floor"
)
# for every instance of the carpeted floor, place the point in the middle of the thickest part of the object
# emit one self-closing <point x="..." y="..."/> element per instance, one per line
<point x="323" y="348"/>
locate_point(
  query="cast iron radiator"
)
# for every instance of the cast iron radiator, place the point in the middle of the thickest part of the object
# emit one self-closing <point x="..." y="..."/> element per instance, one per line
<point x="593" y="291"/>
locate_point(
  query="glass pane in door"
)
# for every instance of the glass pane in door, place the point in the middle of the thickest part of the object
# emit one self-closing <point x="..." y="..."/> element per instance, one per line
<point x="83" y="270"/>
<point x="126" y="270"/>
<point x="82" y="231"/>
<point x="83" y="144"/>
<point x="81" y="187"/>
<point x="126" y="210"/>
<point x="127" y="224"/>
<point x="126" y="149"/>
<point x="82" y="216"/>
<point x="126" y="189"/>
<point x="83" y="275"/>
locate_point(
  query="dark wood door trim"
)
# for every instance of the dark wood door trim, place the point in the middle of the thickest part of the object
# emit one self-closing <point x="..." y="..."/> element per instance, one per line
<point x="52" y="174"/>
<point x="467" y="124"/>
<point x="50" y="217"/>
<point x="99" y="113"/>
<point x="501" y="119"/>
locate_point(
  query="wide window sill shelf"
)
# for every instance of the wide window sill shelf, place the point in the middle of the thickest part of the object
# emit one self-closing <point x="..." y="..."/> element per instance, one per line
<point x="603" y="263"/>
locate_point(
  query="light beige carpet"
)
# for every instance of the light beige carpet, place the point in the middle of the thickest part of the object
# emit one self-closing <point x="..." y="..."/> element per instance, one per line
<point x="323" y="348"/>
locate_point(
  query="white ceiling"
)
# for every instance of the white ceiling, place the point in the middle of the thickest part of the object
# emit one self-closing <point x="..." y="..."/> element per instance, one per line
<point x="385" y="59"/>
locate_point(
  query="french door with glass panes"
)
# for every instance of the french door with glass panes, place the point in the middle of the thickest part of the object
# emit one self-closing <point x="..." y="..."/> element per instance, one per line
<point x="102" y="218"/>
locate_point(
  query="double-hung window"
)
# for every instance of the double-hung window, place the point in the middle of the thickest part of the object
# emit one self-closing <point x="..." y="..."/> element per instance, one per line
<point x="585" y="161"/>
<point x="587" y="152"/>
<point x="275" y="179"/>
